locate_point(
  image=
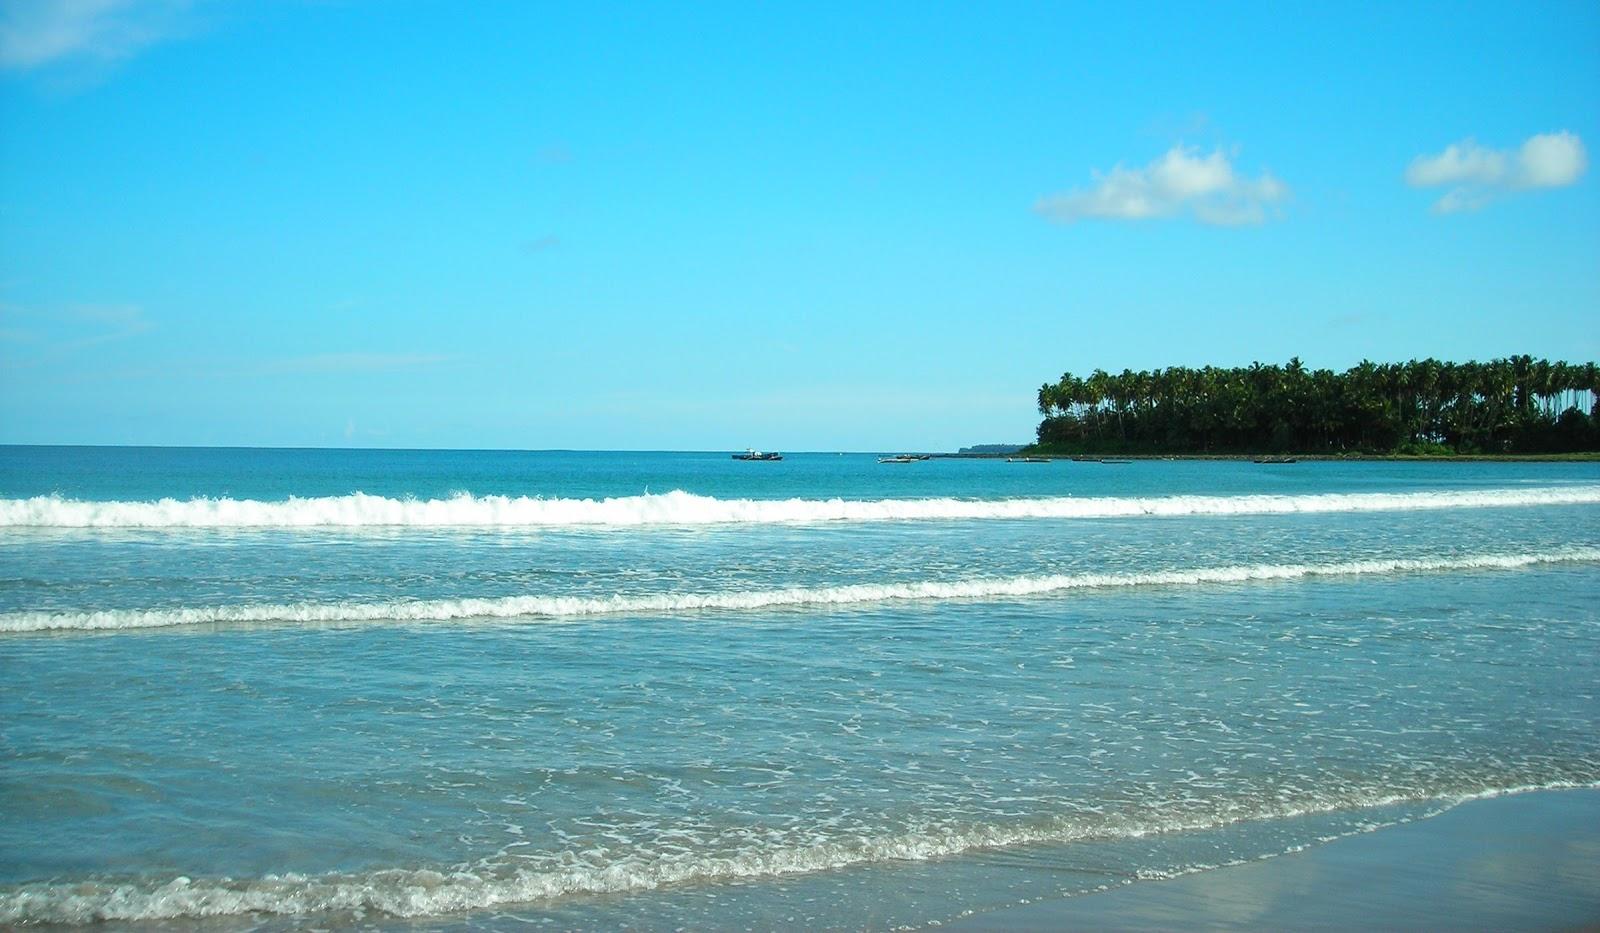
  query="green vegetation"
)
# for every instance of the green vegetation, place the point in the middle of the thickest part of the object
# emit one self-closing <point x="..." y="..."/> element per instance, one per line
<point x="1421" y="408"/>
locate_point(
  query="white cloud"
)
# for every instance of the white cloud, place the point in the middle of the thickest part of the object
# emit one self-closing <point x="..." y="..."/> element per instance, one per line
<point x="1465" y="161"/>
<point x="1551" y="160"/>
<point x="1457" y="200"/>
<point x="1181" y="181"/>
<point x="35" y="33"/>
<point x="1479" y="174"/>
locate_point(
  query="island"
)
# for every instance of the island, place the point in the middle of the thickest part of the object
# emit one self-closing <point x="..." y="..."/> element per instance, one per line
<point x="1511" y="406"/>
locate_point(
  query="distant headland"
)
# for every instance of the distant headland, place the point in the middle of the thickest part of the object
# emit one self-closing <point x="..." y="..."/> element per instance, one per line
<point x="1516" y="406"/>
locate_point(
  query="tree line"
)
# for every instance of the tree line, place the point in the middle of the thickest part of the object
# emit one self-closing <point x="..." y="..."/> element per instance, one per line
<point x="1512" y="405"/>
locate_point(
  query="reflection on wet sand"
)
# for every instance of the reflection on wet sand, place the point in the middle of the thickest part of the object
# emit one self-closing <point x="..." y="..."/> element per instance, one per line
<point x="1526" y="862"/>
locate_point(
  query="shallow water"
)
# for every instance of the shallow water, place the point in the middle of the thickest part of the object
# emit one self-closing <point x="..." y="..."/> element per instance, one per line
<point x="463" y="688"/>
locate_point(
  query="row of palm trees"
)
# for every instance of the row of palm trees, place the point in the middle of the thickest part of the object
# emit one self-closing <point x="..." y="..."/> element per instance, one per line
<point x="1512" y="405"/>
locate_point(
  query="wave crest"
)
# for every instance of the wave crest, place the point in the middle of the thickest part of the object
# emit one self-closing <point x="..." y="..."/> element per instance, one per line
<point x="361" y="510"/>
<point x="559" y="607"/>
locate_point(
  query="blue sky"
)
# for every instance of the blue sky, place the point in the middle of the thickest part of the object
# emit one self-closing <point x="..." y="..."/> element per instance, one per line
<point x="795" y="226"/>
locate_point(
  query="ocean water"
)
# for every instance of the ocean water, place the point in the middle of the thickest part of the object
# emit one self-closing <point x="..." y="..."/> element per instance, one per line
<point x="259" y="689"/>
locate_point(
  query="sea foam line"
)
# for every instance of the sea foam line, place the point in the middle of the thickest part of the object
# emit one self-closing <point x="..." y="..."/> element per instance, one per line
<point x="464" y="510"/>
<point x="425" y="892"/>
<point x="559" y="607"/>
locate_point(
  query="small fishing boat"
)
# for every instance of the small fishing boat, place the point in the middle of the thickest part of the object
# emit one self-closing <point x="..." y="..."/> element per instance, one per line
<point x="1027" y="459"/>
<point x="903" y="458"/>
<point x="1276" y="460"/>
<point x="1117" y="460"/>
<point x="753" y="454"/>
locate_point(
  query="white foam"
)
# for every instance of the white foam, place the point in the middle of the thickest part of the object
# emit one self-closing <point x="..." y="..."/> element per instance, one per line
<point x="682" y="508"/>
<point x="558" y="607"/>
<point x="421" y="893"/>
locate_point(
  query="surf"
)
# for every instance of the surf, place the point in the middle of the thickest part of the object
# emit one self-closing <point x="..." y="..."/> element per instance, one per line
<point x="431" y="892"/>
<point x="464" y="510"/>
<point x="556" y="607"/>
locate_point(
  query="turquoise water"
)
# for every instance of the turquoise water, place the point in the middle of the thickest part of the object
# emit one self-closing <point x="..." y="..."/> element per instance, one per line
<point x="271" y="689"/>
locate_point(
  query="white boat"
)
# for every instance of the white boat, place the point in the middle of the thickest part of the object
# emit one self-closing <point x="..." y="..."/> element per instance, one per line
<point x="753" y="454"/>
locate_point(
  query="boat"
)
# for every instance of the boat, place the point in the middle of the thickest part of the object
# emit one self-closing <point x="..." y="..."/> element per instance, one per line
<point x="1276" y="460"/>
<point x="904" y="458"/>
<point x="753" y="454"/>
<point x="1114" y="460"/>
<point x="1027" y="459"/>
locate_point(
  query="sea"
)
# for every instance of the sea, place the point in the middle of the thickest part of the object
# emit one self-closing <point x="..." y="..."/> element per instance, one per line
<point x="251" y="689"/>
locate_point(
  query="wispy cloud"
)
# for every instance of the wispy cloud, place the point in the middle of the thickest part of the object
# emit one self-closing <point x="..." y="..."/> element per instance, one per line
<point x="111" y="322"/>
<point x="210" y="369"/>
<point x="36" y="33"/>
<point x="353" y="362"/>
<point x="10" y="317"/>
<point x="60" y="330"/>
<point x="1180" y="183"/>
<point x="1477" y="174"/>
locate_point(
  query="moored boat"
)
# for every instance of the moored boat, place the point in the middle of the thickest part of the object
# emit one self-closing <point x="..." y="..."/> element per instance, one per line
<point x="753" y="454"/>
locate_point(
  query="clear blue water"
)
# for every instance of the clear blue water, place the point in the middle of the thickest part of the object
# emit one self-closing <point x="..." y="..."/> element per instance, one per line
<point x="269" y="689"/>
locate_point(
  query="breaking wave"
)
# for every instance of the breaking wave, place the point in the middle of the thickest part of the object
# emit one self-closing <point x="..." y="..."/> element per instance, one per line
<point x="422" y="893"/>
<point x="558" y="607"/>
<point x="360" y="510"/>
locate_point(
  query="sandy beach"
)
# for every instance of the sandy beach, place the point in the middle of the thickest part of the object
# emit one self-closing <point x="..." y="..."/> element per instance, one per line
<point x="1520" y="862"/>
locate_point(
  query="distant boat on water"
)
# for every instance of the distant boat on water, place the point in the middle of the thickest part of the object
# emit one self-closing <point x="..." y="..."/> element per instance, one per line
<point x="1276" y="460"/>
<point x="1118" y="460"/>
<point x="905" y="458"/>
<point x="1027" y="459"/>
<point x="753" y="454"/>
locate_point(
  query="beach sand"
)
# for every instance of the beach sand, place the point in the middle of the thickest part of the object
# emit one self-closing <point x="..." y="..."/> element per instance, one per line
<point x="1520" y="862"/>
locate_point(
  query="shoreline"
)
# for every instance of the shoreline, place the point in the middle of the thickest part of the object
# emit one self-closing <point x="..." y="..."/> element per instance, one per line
<point x="1584" y="457"/>
<point x="1524" y="861"/>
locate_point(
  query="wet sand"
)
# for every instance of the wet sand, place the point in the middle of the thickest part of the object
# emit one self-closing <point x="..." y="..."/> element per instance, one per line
<point x="1520" y="862"/>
